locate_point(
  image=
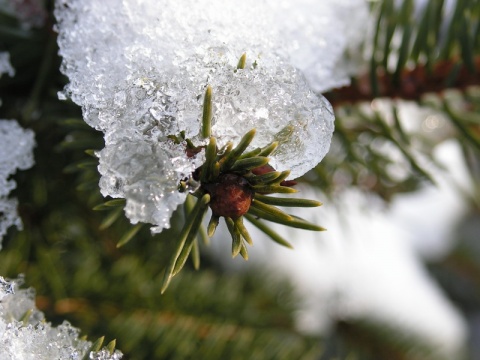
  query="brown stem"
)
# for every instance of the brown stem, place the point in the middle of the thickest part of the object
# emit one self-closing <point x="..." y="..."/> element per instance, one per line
<point x="412" y="83"/>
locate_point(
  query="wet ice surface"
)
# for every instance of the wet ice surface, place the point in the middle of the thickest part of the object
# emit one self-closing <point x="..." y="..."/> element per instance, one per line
<point x="281" y="107"/>
<point x="16" y="153"/>
<point x="34" y="338"/>
<point x="140" y="70"/>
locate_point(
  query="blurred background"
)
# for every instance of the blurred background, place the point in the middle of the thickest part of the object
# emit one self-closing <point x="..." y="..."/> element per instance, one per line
<point x="395" y="276"/>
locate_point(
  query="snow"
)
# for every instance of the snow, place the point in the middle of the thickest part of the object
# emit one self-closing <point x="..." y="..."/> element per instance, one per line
<point x="147" y="175"/>
<point x="139" y="70"/>
<point x="16" y="152"/>
<point x="31" y="337"/>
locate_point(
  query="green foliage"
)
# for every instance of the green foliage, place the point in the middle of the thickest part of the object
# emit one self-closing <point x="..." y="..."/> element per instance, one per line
<point x="209" y="315"/>
<point x="416" y="56"/>
<point x="405" y="38"/>
<point x="87" y="269"/>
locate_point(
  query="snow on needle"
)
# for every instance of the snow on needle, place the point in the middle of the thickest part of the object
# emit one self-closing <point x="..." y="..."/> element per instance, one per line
<point x="144" y="85"/>
<point x="234" y="183"/>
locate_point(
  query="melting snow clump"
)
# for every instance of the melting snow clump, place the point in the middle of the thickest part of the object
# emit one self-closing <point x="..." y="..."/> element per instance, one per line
<point x="25" y="335"/>
<point x="147" y="174"/>
<point x="139" y="71"/>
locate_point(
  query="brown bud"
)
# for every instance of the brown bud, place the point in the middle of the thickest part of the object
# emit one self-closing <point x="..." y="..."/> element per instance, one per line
<point x="231" y="196"/>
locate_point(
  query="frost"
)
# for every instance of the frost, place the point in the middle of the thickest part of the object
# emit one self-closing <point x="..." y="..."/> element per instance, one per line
<point x="30" y="337"/>
<point x="139" y="71"/>
<point x="16" y="152"/>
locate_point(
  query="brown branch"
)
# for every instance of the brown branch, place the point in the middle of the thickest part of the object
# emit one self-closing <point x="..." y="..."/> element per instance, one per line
<point x="411" y="85"/>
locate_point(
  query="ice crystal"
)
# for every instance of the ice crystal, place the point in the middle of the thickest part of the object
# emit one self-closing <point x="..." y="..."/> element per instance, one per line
<point x="16" y="145"/>
<point x="25" y="335"/>
<point x="139" y="70"/>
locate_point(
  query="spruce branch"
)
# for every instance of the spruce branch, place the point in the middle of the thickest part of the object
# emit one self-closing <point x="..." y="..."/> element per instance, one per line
<point x="436" y="51"/>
